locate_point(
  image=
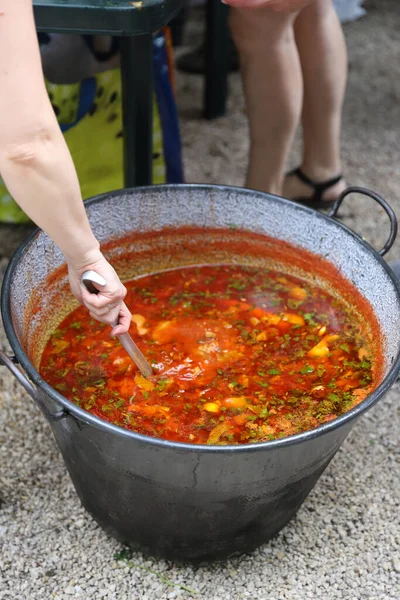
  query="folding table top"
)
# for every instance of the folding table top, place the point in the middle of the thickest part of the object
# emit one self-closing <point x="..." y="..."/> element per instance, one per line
<point x="112" y="17"/>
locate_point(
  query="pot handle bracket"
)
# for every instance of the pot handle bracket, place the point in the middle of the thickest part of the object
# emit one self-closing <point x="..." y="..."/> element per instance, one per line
<point x="11" y="364"/>
<point x="386" y="207"/>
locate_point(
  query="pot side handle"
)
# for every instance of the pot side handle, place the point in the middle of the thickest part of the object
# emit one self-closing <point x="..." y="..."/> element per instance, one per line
<point x="10" y="363"/>
<point x="387" y="208"/>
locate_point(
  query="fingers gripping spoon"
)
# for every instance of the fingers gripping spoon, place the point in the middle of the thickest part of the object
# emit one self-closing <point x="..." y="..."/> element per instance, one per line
<point x="90" y="277"/>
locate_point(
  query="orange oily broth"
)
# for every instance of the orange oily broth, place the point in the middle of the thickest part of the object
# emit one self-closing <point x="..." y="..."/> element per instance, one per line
<point x="239" y="355"/>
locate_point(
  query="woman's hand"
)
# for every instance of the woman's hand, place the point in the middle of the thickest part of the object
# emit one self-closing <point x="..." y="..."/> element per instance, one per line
<point x="108" y="305"/>
<point x="275" y="5"/>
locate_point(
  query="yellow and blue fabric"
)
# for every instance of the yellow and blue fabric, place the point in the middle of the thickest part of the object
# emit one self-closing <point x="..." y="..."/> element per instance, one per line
<point x="90" y="115"/>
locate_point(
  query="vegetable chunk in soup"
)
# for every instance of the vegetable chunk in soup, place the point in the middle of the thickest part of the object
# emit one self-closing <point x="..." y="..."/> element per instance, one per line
<point x="240" y="355"/>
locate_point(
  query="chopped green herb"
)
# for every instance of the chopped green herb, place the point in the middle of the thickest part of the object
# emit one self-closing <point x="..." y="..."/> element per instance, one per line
<point x="263" y="383"/>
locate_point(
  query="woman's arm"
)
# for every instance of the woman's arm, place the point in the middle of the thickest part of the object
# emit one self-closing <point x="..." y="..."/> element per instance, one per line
<point x="37" y="167"/>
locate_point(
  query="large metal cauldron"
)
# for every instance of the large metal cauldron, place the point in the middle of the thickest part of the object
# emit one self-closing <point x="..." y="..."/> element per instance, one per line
<point x="175" y="500"/>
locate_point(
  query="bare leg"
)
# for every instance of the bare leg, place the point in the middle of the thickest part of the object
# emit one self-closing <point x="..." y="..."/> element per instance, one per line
<point x="273" y="89"/>
<point x="323" y="57"/>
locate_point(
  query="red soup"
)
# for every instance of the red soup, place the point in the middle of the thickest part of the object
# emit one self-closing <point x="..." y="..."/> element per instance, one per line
<point x="239" y="355"/>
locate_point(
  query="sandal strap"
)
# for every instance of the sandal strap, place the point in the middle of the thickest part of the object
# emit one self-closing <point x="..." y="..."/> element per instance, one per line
<point x="317" y="186"/>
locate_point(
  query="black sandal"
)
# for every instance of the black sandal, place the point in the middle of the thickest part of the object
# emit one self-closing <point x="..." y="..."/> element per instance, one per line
<point x="315" y="201"/>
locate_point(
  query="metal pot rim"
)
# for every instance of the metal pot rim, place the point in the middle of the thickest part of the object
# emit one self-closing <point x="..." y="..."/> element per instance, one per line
<point x="86" y="417"/>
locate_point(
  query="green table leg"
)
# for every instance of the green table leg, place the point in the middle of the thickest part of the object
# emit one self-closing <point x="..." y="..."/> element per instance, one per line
<point x="137" y="103"/>
<point x="217" y="48"/>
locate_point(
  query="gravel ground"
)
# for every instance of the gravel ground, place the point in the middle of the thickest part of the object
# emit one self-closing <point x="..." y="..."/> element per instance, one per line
<point x="344" y="542"/>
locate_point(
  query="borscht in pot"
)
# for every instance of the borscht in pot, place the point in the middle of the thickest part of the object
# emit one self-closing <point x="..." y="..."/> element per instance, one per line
<point x="240" y="355"/>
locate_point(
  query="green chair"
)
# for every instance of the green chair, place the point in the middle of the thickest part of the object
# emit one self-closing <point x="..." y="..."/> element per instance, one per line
<point x="216" y="68"/>
<point x="134" y="23"/>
